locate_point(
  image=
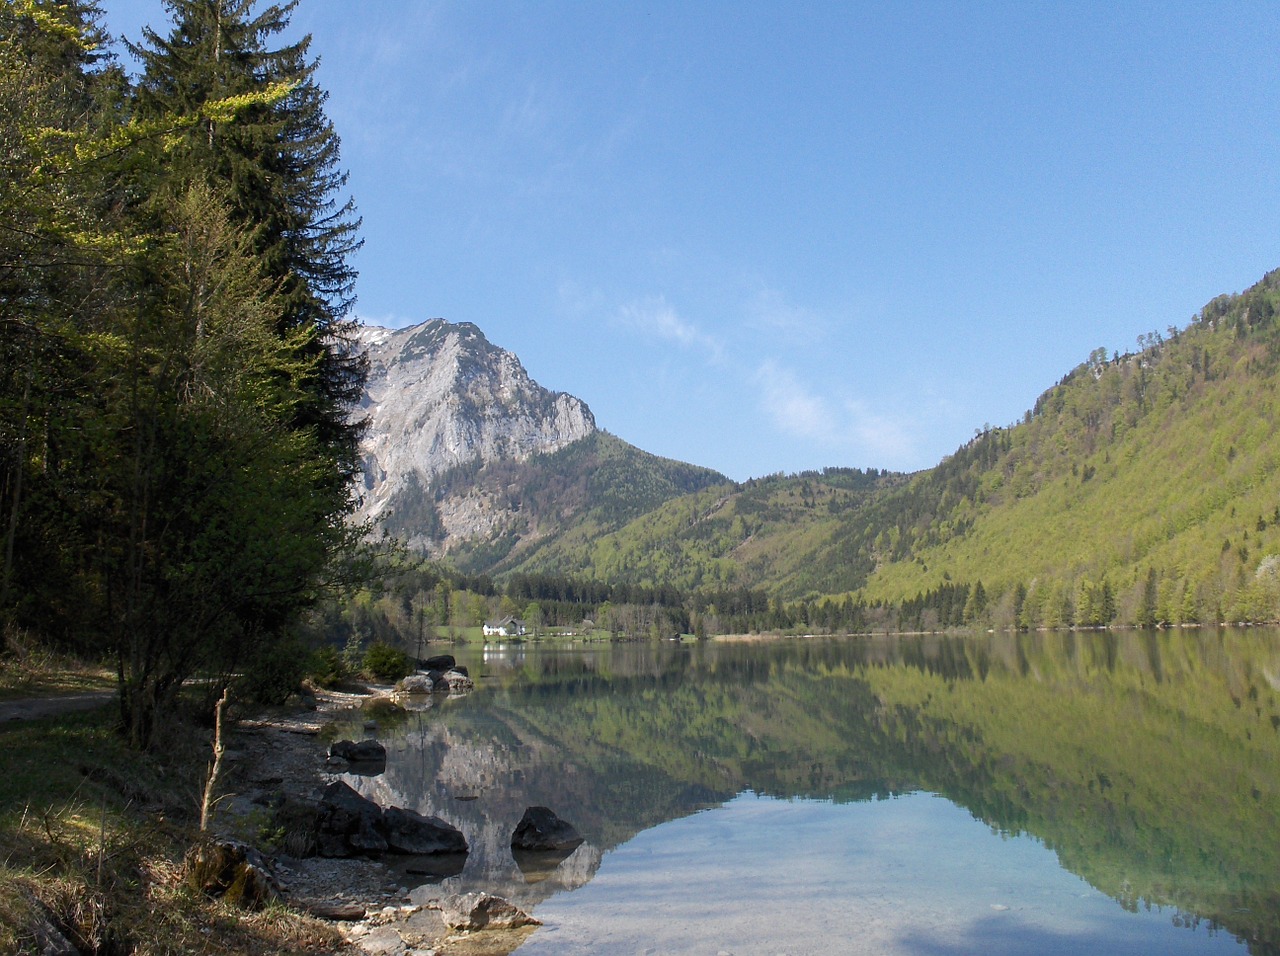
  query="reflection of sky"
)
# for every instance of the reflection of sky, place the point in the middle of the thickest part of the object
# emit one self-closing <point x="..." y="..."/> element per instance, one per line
<point x="915" y="874"/>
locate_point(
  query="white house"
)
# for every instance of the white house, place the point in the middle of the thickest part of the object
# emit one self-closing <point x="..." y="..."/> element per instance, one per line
<point x="507" y="627"/>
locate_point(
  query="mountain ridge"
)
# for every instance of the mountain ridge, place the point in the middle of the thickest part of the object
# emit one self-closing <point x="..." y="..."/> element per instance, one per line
<point x="461" y="449"/>
<point x="439" y="396"/>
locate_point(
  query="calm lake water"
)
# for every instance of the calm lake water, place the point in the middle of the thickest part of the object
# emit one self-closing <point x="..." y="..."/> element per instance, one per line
<point x="1064" y="793"/>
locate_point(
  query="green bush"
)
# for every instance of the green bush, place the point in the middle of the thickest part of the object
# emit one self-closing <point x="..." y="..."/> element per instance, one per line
<point x="275" y="672"/>
<point x="326" y="667"/>
<point x="383" y="662"/>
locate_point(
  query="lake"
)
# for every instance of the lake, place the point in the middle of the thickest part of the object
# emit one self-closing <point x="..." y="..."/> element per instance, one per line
<point x="1030" y="793"/>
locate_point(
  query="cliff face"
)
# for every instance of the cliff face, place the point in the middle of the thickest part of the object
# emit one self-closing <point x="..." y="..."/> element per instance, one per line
<point x="440" y="397"/>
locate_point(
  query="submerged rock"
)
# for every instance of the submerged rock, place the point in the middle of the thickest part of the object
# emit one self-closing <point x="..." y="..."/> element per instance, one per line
<point x="540" y="830"/>
<point x="482" y="911"/>
<point x="359" y="751"/>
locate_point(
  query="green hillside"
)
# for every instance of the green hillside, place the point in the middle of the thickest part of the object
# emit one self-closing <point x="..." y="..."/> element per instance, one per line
<point x="778" y="532"/>
<point x="1142" y="488"/>
<point x="588" y="489"/>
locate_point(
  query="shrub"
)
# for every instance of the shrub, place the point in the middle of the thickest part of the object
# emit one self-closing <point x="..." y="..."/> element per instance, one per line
<point x="326" y="667"/>
<point x="275" y="672"/>
<point x="383" y="662"/>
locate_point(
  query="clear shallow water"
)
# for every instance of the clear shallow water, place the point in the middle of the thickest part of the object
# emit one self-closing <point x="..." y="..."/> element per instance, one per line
<point x="1071" y="793"/>
<point x="914" y="874"/>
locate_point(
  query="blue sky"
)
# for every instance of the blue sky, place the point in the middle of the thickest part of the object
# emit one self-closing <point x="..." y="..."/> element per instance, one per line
<point x="770" y="237"/>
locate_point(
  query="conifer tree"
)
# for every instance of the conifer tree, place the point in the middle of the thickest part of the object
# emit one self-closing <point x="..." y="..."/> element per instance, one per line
<point x="278" y="164"/>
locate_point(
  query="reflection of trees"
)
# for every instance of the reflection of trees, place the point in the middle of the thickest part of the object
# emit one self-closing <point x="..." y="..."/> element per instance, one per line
<point x="1149" y="763"/>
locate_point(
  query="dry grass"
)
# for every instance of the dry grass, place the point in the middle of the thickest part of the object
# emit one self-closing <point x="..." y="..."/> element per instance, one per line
<point x="92" y="838"/>
<point x="28" y="669"/>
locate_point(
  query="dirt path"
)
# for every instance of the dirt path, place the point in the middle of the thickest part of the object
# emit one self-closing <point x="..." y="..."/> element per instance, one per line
<point x="34" y="708"/>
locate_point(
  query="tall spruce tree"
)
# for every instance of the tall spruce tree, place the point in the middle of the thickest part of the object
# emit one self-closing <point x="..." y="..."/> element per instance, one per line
<point x="278" y="164"/>
<point x="251" y="482"/>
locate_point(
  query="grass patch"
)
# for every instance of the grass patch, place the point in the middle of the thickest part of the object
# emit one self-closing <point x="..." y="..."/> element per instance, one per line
<point x="29" y="670"/>
<point x="92" y="842"/>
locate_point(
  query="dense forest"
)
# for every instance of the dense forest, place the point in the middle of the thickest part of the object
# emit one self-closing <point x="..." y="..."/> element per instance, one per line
<point x="176" y="445"/>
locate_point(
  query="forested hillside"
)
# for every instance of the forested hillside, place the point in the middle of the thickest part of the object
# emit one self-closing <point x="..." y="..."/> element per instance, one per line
<point x="1142" y="488"/>
<point x="561" y="500"/>
<point x="780" y="533"/>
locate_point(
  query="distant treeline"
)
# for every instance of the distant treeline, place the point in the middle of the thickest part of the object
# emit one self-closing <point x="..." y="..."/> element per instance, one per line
<point x="419" y="602"/>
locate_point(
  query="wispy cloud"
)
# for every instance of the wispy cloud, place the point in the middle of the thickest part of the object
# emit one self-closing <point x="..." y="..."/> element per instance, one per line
<point x="578" y="301"/>
<point x="793" y="407"/>
<point x="656" y="318"/>
<point x="838" y="423"/>
<point x="769" y="311"/>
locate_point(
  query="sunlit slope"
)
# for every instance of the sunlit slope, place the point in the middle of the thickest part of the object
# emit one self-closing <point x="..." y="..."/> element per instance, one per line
<point x="552" y="502"/>
<point x="1156" y="472"/>
<point x="1153" y="473"/>
<point x="782" y="533"/>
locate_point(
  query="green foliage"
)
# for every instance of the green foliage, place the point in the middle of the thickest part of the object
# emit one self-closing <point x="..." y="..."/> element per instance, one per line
<point x="385" y="663"/>
<point x="275" y="671"/>
<point x="326" y="667"/>
<point x="175" y="451"/>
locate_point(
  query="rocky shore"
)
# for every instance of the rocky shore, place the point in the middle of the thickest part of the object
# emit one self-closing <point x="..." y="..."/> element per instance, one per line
<point x="277" y="771"/>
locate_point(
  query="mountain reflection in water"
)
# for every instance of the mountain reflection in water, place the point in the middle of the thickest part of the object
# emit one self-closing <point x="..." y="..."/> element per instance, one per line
<point x="1148" y="763"/>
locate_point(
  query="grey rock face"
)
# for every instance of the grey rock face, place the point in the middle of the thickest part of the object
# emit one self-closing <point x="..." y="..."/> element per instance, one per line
<point x="440" y="396"/>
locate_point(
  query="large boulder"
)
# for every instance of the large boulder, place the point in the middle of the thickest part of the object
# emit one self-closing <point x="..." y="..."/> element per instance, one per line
<point x="472" y="911"/>
<point x="416" y="684"/>
<point x="443" y="676"/>
<point x="410" y="832"/>
<point x="351" y="825"/>
<point x="540" y="830"/>
<point x="453" y="681"/>
<point x="348" y="824"/>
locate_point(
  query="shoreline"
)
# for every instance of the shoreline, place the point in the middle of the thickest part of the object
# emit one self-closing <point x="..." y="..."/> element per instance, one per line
<point x="278" y="760"/>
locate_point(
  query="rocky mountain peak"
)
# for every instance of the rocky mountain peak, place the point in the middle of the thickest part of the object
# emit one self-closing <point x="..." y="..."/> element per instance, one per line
<point x="439" y="396"/>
